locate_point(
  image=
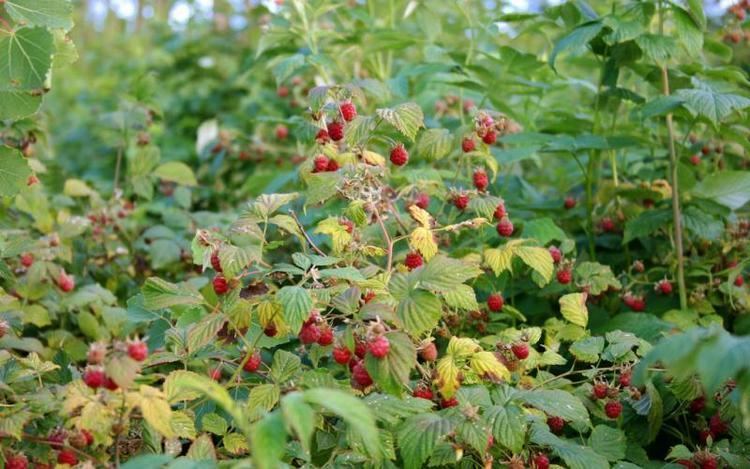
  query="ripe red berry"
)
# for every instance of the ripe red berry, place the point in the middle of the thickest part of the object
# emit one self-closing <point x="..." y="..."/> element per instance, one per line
<point x="461" y="201"/>
<point x="348" y="111"/>
<point x="429" y="352"/>
<point x="500" y="211"/>
<point x="450" y="402"/>
<point x="706" y="149"/>
<point x="216" y="262"/>
<point x="16" y="461"/>
<point x="495" y="302"/>
<point x="556" y="254"/>
<point x="342" y="355"/>
<point x="607" y="225"/>
<point x="220" y="284"/>
<point x="94" y="377"/>
<point x="481" y="181"/>
<point x="253" y="362"/>
<point x="322" y="136"/>
<point x="309" y="334"/>
<point x="739" y="281"/>
<point x="88" y="437"/>
<point x="282" y="132"/>
<point x="570" y="202"/>
<point x="695" y="160"/>
<point x="564" y="276"/>
<point x="379" y="346"/>
<point x="360" y="375"/>
<point x="333" y="166"/>
<point x="505" y="227"/>
<point x="664" y="287"/>
<point x="270" y="330"/>
<point x="520" y="350"/>
<point x="540" y="461"/>
<point x="138" y="350"/>
<point x="555" y="424"/>
<point x="423" y="391"/>
<point x="27" y="259"/>
<point x="282" y="91"/>
<point x="710" y="463"/>
<point x="215" y="374"/>
<point x="68" y="457"/>
<point x="369" y="296"/>
<point x="360" y="349"/>
<point x="600" y="390"/>
<point x="110" y="384"/>
<point x="635" y="303"/>
<point x="399" y="155"/>
<point x="625" y="378"/>
<point x="336" y="130"/>
<point x="468" y="145"/>
<point x="326" y="336"/>
<point x="490" y="137"/>
<point x="422" y="200"/>
<point x="717" y="425"/>
<point x="613" y="409"/>
<point x="697" y="405"/>
<point x="413" y="260"/>
<point x="347" y="224"/>
<point x="66" y="282"/>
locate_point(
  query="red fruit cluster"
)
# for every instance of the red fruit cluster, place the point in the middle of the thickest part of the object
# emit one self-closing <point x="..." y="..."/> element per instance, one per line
<point x="468" y="145"/>
<point x="495" y="302"/>
<point x="335" y="130"/>
<point x="379" y="346"/>
<point x="137" y="350"/>
<point x="309" y="334"/>
<point x="520" y="350"/>
<point x="481" y="180"/>
<point x="16" y="461"/>
<point x="422" y="200"/>
<point x="348" y="111"/>
<point x="613" y="409"/>
<point x="326" y="336"/>
<point x="564" y="276"/>
<point x="282" y="132"/>
<point x="66" y="282"/>
<point x="68" y="457"/>
<point x="570" y="202"/>
<point x="27" y="259"/>
<point x="413" y="260"/>
<point x="399" y="155"/>
<point x="461" y="201"/>
<point x="664" y="287"/>
<point x="739" y="281"/>
<point x="449" y="402"/>
<point x="360" y="375"/>
<point x="342" y="355"/>
<point x="607" y="225"/>
<point x="505" y="227"/>
<point x="635" y="302"/>
<point x="423" y="391"/>
<point x="556" y="254"/>
<point x="429" y="352"/>
<point x="500" y="211"/>
<point x="220" y="284"/>
<point x="555" y="424"/>
<point x="600" y="390"/>
<point x="253" y="362"/>
<point x="322" y="164"/>
<point x="540" y="461"/>
<point x="216" y="262"/>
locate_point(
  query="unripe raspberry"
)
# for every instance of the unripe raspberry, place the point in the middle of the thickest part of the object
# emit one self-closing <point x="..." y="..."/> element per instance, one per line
<point x="360" y="375"/>
<point x="423" y="392"/>
<point x="282" y="132"/>
<point x="564" y="276"/>
<point x="215" y="374"/>
<point x="16" y="461"/>
<point x="481" y="181"/>
<point x="27" y="259"/>
<point x="555" y="424"/>
<point x="449" y="402"/>
<point x="399" y="155"/>
<point x="66" y="282"/>
<point x="556" y="254"/>
<point x="220" y="284"/>
<point x="282" y="91"/>
<point x="461" y="201"/>
<point x="347" y="224"/>
<point x="413" y="260"/>
<point x="138" y="350"/>
<point x="68" y="457"/>
<point x="94" y="377"/>
<point x="379" y="346"/>
<point x="520" y="350"/>
<point x="336" y="130"/>
<point x="540" y="461"/>
<point x="505" y="227"/>
<point x="326" y="336"/>
<point x="468" y="145"/>
<point x="500" y="211"/>
<point x="216" y="262"/>
<point x="495" y="302"/>
<point x="348" y="111"/>
<point x="490" y="137"/>
<point x="613" y="409"/>
<point x="342" y="355"/>
<point x="309" y="334"/>
<point x="429" y="352"/>
<point x="253" y="362"/>
<point x="664" y="287"/>
<point x="422" y="200"/>
<point x="570" y="202"/>
<point x="333" y="166"/>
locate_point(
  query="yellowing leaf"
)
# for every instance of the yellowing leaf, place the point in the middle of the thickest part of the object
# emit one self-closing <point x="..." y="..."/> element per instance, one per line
<point x="499" y="259"/>
<point x="270" y="313"/>
<point x="341" y="238"/>
<point x="76" y="188"/>
<point x="573" y="308"/>
<point x="420" y="215"/>
<point x="462" y="347"/>
<point x="156" y="410"/>
<point x="447" y="376"/>
<point x="423" y="241"/>
<point x="487" y="365"/>
<point x="372" y="158"/>
<point x="537" y="258"/>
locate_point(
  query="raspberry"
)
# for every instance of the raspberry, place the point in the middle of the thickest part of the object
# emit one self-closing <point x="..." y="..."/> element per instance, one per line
<point x="697" y="405"/>
<point x="320" y="164"/>
<point x="429" y="352"/>
<point x="110" y="384"/>
<point x="282" y="132"/>
<point x="500" y="211"/>
<point x="322" y="136"/>
<point x="216" y="262"/>
<point x="556" y="254"/>
<point x="564" y="276"/>
<point x="333" y="166"/>
<point x="423" y="392"/>
<point x="540" y="461"/>
<point x="360" y="375"/>
<point x="613" y="409"/>
<point x="422" y="200"/>
<point x="220" y="284"/>
<point x="270" y="330"/>
<point x="706" y="150"/>
<point x="495" y="302"/>
<point x="326" y="336"/>
<point x="449" y="402"/>
<point x="94" y="377"/>
<point x="379" y="346"/>
<point x="253" y="362"/>
<point x="461" y="201"/>
<point x="505" y="227"/>
<point x="686" y="463"/>
<point x="215" y="374"/>
<point x="360" y="349"/>
<point x="56" y="438"/>
<point x="607" y="225"/>
<point x="336" y="130"/>
<point x="368" y="297"/>
<point x="27" y="259"/>
<point x="600" y="390"/>
<point x="570" y="202"/>
<point x="347" y="224"/>
<point x="635" y="303"/>
<point x="695" y="160"/>
<point x="481" y="181"/>
<point x="704" y="435"/>
<point x="625" y="378"/>
<point x="282" y="91"/>
<point x="97" y="352"/>
<point x="309" y="334"/>
<point x="342" y="355"/>
<point x="520" y="350"/>
<point x="399" y="155"/>
<point x="413" y="260"/>
<point x="717" y="425"/>
<point x="468" y="145"/>
<point x="68" y="457"/>
<point x="88" y="437"/>
<point x="706" y="460"/>
<point x="490" y="137"/>
<point x="138" y="350"/>
<point x="664" y="287"/>
<point x="66" y="282"/>
<point x="555" y="424"/>
<point x="739" y="281"/>
<point x="16" y="461"/>
<point x="348" y="111"/>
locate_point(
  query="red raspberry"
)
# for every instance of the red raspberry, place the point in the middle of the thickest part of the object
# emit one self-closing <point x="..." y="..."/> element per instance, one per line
<point x="336" y="130"/>
<point x="68" y="457"/>
<point x="555" y="424"/>
<point x="481" y="181"/>
<point x="423" y="392"/>
<point x="369" y="296"/>
<point x="429" y="352"/>
<point x="540" y="461"/>
<point x="216" y="262"/>
<point x="600" y="390"/>
<point x="706" y="460"/>
<point x="490" y="137"/>
<point x="66" y="282"/>
<point x="360" y="375"/>
<point x="468" y="145"/>
<point x="706" y="150"/>
<point x="379" y="346"/>
<point x="686" y="463"/>
<point x="342" y="355"/>
<point x="110" y="384"/>
<point x="31" y="180"/>
<point x="495" y="302"/>
<point x="326" y="336"/>
<point x="520" y="350"/>
<point x="422" y="200"/>
<point x="27" y="259"/>
<point x="282" y="91"/>
<point x="697" y="405"/>
<point x="413" y="260"/>
<point x="625" y="379"/>
<point x="613" y="409"/>
<point x="461" y="201"/>
<point x="564" y="276"/>
<point x="570" y="202"/>
<point x="138" y="350"/>
<point x="270" y="330"/>
<point x="322" y="136"/>
<point x="505" y="227"/>
<point x="500" y="211"/>
<point x="333" y="166"/>
<point x="399" y="155"/>
<point x="97" y="352"/>
<point x="215" y="374"/>
<point x="253" y="362"/>
<point x="635" y="303"/>
<point x="717" y="425"/>
<point x="282" y="132"/>
<point x="360" y="349"/>
<point x="94" y="377"/>
<point x="704" y="435"/>
<point x="556" y="254"/>
<point x="348" y="225"/>
<point x="739" y="281"/>
<point x="87" y="437"/>
<point x="607" y="225"/>
<point x="16" y="461"/>
<point x="664" y="286"/>
<point x="220" y="284"/>
<point x="56" y="438"/>
<point x="348" y="111"/>
<point x="450" y="402"/>
<point x="309" y="334"/>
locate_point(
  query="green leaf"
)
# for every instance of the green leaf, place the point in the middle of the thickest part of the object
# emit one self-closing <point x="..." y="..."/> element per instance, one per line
<point x="576" y="41"/>
<point x="646" y="224"/>
<point x="202" y="449"/>
<point x="393" y="411"/>
<point x="539" y="259"/>
<point x="508" y="426"/>
<point x="418" y="436"/>
<point x="587" y="349"/>
<point x="14" y="171"/>
<point x="688" y="31"/>
<point x="205" y="331"/>
<point x="420" y="311"/>
<point x="297" y="305"/>
<point x="573" y="308"/>
<point x="158" y="294"/>
<point x="54" y="14"/>
<point x="392" y="372"/>
<point x="461" y="297"/>
<point x="214" y="423"/>
<point x="321" y="187"/>
<point x="300" y="417"/>
<point x="609" y="442"/>
<point x="16" y="105"/>
<point x="123" y="370"/>
<point x="695" y="7"/>
<point x="358" y="130"/>
<point x="285" y="366"/>
<point x="176" y="171"/>
<point x="435" y="144"/>
<point x="598" y="278"/>
<point x="710" y="103"/>
<point x="407" y="118"/>
<point x="729" y="188"/>
<point x="660" y="106"/>
<point x="555" y="402"/>
<point x="574" y="455"/>
<point x="26" y="59"/>
<point x="269" y="441"/>
<point x="659" y="48"/>
<point x="543" y="230"/>
<point x="263" y="398"/>
<point x="342" y="273"/>
<point x="443" y="274"/>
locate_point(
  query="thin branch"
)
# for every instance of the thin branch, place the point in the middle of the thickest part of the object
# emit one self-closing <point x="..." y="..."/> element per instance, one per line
<point x="387" y="239"/>
<point x="304" y="233"/>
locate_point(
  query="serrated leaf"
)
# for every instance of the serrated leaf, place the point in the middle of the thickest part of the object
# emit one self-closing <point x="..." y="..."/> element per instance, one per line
<point x="597" y="278"/>
<point x="269" y="441"/>
<point x="26" y="59"/>
<point x="300" y="417"/>
<point x="285" y="366"/>
<point x="508" y="426"/>
<point x="423" y="240"/>
<point x="461" y="297"/>
<point x="183" y="425"/>
<point x="418" y="436"/>
<point x="704" y="100"/>
<point x="16" y="105"/>
<point x="392" y="372"/>
<point x="419" y="311"/>
<point x="176" y="386"/>
<point x="156" y="410"/>
<point x="574" y="455"/>
<point x="444" y="274"/>
<point x="214" y="423"/>
<point x="434" y="144"/>
<point x="447" y="376"/>
<point x="587" y="349"/>
<point x="159" y="294"/>
<point x="573" y="308"/>
<point x="53" y="14"/>
<point x="338" y="232"/>
<point x="486" y="365"/>
<point x="263" y="398"/>
<point x="235" y="443"/>
<point x="14" y="171"/>
<point x="296" y="304"/>
<point x="205" y="331"/>
<point x="688" y="31"/>
<point x="576" y="40"/>
<point x="499" y="259"/>
<point x="122" y="370"/>
<point x="609" y="442"/>
<point x="539" y="259"/>
<point x="729" y="188"/>
<point x="177" y="172"/>
<point x="555" y="402"/>
<point x="407" y="118"/>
